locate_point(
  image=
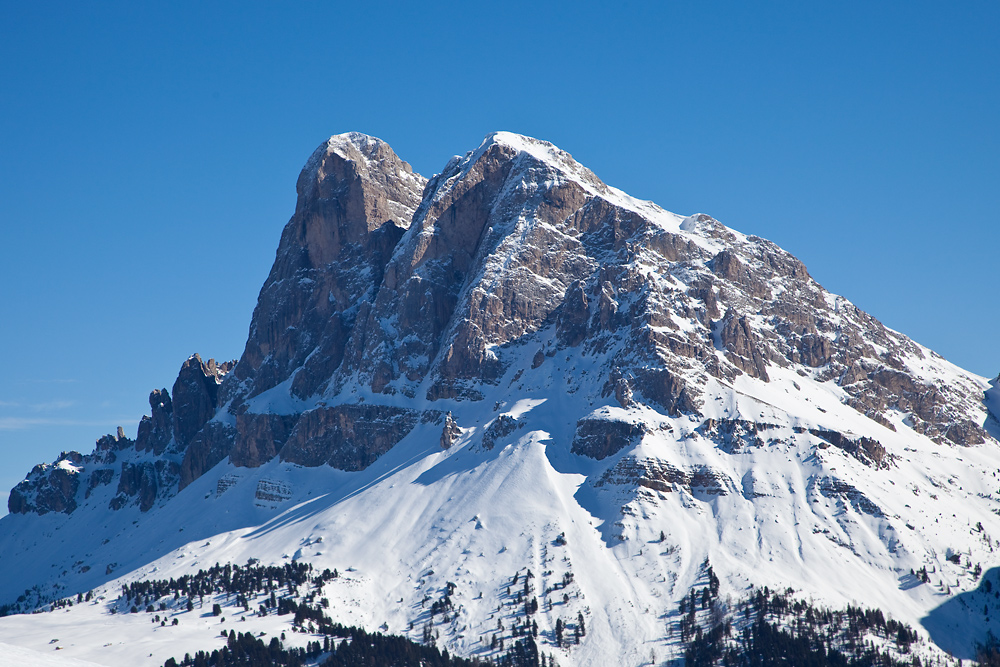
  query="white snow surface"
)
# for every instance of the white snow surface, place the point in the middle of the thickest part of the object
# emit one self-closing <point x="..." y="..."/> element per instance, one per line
<point x="421" y="517"/>
<point x="16" y="656"/>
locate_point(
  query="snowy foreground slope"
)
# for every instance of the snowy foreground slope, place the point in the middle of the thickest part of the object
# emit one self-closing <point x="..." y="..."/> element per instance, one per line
<point x="15" y="656"/>
<point x="514" y="368"/>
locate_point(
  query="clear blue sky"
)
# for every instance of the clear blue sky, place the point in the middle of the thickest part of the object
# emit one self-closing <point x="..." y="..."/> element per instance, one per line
<point x="148" y="158"/>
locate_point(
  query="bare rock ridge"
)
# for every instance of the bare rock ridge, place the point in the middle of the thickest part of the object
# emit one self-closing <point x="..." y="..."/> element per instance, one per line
<point x="393" y="298"/>
<point x="355" y="201"/>
<point x="148" y="468"/>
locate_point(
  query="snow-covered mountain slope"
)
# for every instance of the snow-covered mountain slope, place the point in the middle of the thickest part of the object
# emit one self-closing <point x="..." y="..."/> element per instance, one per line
<point x="15" y="656"/>
<point x="513" y="367"/>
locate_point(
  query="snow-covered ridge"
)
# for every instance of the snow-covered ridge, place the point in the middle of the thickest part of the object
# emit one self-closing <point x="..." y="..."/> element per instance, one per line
<point x="363" y="142"/>
<point x="563" y="163"/>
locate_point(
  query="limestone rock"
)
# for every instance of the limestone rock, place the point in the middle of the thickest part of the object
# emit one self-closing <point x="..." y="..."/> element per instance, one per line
<point x="742" y="346"/>
<point x="259" y="438"/>
<point x="867" y="450"/>
<point x="573" y="316"/>
<point x="815" y="350"/>
<point x="347" y="437"/>
<point x="607" y="307"/>
<point x="137" y="480"/>
<point x="665" y="390"/>
<point x="450" y="432"/>
<point x="355" y="200"/>
<point x="156" y="429"/>
<point x="660" y="476"/>
<point x="501" y="427"/>
<point x="831" y="487"/>
<point x="195" y="396"/>
<point x="735" y="435"/>
<point x="600" y="438"/>
<point x="48" y="487"/>
<point x="211" y="445"/>
<point x="99" y="477"/>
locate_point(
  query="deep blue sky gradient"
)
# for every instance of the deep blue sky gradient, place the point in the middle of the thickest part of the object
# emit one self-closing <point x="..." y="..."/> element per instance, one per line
<point x="148" y="158"/>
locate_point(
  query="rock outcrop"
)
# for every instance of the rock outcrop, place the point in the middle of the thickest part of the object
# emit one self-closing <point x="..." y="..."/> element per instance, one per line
<point x="500" y="428"/>
<point x="600" y="438"/>
<point x="663" y="477"/>
<point x="141" y="471"/>
<point x="49" y="487"/>
<point x="156" y="429"/>
<point x="450" y="432"/>
<point x="512" y="368"/>
<point x="348" y="437"/>
<point x="356" y="198"/>
<point x="196" y="396"/>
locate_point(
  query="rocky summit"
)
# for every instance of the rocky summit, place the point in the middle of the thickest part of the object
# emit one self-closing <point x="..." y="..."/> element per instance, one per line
<point x="512" y="367"/>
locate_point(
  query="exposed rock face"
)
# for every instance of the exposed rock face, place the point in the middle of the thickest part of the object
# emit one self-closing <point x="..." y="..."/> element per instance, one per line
<point x="665" y="390"/>
<point x="832" y="487"/>
<point x="270" y="493"/>
<point x="734" y="435"/>
<point x="195" y="396"/>
<point x="501" y="427"/>
<point x="867" y="450"/>
<point x="428" y="289"/>
<point x="208" y="447"/>
<point x="574" y="313"/>
<point x="146" y="469"/>
<point x="450" y="432"/>
<point x="99" y="477"/>
<point x="743" y="349"/>
<point x="259" y="437"/>
<point x="348" y="437"/>
<point x="991" y="397"/>
<point x="600" y="438"/>
<point x="389" y="289"/>
<point x="141" y="480"/>
<point x="661" y="476"/>
<point x="49" y="487"/>
<point x="355" y="200"/>
<point x="107" y="445"/>
<point x="155" y="431"/>
<point x="195" y="400"/>
<point x="423" y="283"/>
<point x="176" y="435"/>
<point x="515" y="354"/>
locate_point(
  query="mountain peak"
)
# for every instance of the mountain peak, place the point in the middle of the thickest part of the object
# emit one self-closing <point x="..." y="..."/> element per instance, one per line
<point x="359" y="140"/>
<point x="360" y="158"/>
<point x="541" y="150"/>
<point x="512" y="369"/>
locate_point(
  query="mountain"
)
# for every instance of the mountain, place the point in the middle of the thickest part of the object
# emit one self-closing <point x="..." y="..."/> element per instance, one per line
<point x="512" y="382"/>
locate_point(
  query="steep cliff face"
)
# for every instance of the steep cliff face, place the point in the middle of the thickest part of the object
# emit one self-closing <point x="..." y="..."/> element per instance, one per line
<point x="146" y="469"/>
<point x="355" y="200"/>
<point x="515" y="244"/>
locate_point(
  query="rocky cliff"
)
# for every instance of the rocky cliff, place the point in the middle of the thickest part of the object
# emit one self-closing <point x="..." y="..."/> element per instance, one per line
<point x="147" y="469"/>
<point x="391" y="294"/>
<point x="514" y="370"/>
